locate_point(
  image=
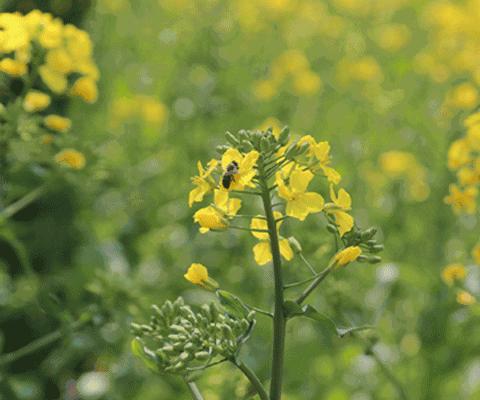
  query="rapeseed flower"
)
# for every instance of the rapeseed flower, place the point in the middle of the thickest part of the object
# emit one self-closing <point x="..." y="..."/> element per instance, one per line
<point x="203" y="182"/>
<point x="453" y="272"/>
<point x="246" y="167"/>
<point x="71" y="158"/>
<point x="339" y="208"/>
<point x="347" y="255"/>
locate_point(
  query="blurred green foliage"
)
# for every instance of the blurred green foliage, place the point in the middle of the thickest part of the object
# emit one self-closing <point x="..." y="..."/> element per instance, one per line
<point x="117" y="236"/>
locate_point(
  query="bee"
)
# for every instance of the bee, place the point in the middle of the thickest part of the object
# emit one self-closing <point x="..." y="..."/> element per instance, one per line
<point x="228" y="177"/>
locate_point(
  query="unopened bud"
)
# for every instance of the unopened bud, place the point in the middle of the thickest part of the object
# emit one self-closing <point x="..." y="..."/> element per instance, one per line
<point x="377" y="248"/>
<point x="221" y="149"/>
<point x="297" y="248"/>
<point x="374" y="259"/>
<point x="332" y="228"/>
<point x="264" y="145"/>
<point x="284" y="135"/>
<point x="231" y="139"/>
<point x="368" y="234"/>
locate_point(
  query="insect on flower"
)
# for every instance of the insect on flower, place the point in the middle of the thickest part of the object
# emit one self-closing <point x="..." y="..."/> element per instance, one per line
<point x="229" y="175"/>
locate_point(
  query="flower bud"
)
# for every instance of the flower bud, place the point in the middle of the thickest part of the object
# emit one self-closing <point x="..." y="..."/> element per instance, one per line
<point x="264" y="145"/>
<point x="221" y="149"/>
<point x="368" y="234"/>
<point x="332" y="228"/>
<point x="297" y="248"/>
<point x="377" y="248"/>
<point x="231" y="139"/>
<point x="284" y="136"/>
<point x="245" y="146"/>
<point x="374" y="259"/>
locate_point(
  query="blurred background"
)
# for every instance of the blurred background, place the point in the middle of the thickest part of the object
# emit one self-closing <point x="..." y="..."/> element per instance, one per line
<point x="387" y="83"/>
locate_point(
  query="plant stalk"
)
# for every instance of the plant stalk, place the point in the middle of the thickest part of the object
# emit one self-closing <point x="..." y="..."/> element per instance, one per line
<point x="194" y="391"/>
<point x="253" y="379"/>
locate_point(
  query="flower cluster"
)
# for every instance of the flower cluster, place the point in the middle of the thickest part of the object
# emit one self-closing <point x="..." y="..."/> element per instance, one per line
<point x="181" y="340"/>
<point x="455" y="274"/>
<point x="272" y="162"/>
<point x="464" y="159"/>
<point x="42" y="60"/>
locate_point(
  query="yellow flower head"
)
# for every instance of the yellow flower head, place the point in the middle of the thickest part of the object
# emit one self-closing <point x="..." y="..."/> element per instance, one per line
<point x="196" y="274"/>
<point x="13" y="33"/>
<point x="462" y="201"/>
<point x="86" y="89"/>
<point x="36" y="101"/>
<point x="56" y="81"/>
<point x="57" y="123"/>
<point x="453" y="272"/>
<point x="459" y="154"/>
<point x="262" y="251"/>
<point x="204" y="184"/>
<point x="465" y="298"/>
<point x="338" y="208"/>
<point x="347" y="255"/>
<point x="13" y="67"/>
<point x="210" y="218"/>
<point x="225" y="204"/>
<point x="71" y="158"/>
<point x="246" y="167"/>
<point x="299" y="202"/>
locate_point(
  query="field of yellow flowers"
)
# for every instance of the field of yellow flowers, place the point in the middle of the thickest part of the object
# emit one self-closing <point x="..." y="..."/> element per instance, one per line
<point x="293" y="184"/>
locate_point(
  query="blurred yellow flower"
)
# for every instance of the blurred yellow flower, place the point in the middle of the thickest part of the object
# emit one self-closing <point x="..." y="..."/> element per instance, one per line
<point x="464" y="96"/>
<point x="341" y="204"/>
<point x="347" y="255"/>
<point x="453" y="272"/>
<point x="36" y="101"/>
<point x="56" y="81"/>
<point x="57" y="123"/>
<point x="60" y="61"/>
<point x="300" y="203"/>
<point x="203" y="182"/>
<point x="476" y="254"/>
<point x="392" y="37"/>
<point x="71" y="158"/>
<point x="86" y="89"/>
<point x="246" y="167"/>
<point x="264" y="90"/>
<point x="13" y="67"/>
<point x="458" y="154"/>
<point x="462" y="201"/>
<point x="196" y="274"/>
<point x="465" y="298"/>
<point x="306" y="83"/>
<point x="52" y="34"/>
<point x="321" y="152"/>
<point x="13" y="34"/>
<point x="48" y="139"/>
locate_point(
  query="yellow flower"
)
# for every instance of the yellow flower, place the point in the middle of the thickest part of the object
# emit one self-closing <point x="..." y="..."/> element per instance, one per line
<point x="210" y="218"/>
<point x="196" y="274"/>
<point x="264" y="90"/>
<point x="476" y="254"/>
<point x="86" y="89"/>
<point x="13" y="67"/>
<point x="36" y="101"/>
<point x="462" y="202"/>
<point x="52" y="34"/>
<point x="299" y="202"/>
<point x="57" y="123"/>
<point x="59" y="60"/>
<point x="71" y="158"/>
<point x="453" y="272"/>
<point x="347" y="255"/>
<point x="392" y="37"/>
<point x="246" y="167"/>
<point x="458" y="154"/>
<point x="396" y="163"/>
<point x="202" y="182"/>
<point x="465" y="298"/>
<point x="56" y="81"/>
<point x="262" y="250"/>
<point x="321" y="152"/>
<point x="13" y="34"/>
<point x="306" y="83"/>
<point x="464" y="96"/>
<point x="341" y="204"/>
<point x="215" y="216"/>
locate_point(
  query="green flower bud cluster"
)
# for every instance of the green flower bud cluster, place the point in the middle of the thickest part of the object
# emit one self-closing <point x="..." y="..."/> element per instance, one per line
<point x="262" y="141"/>
<point x="179" y="340"/>
<point x="364" y="239"/>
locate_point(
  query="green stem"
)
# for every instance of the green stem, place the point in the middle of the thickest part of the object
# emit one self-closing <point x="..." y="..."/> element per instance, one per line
<point x="194" y="391"/>
<point x="307" y="263"/>
<point x="389" y="375"/>
<point x="30" y="197"/>
<point x="41" y="342"/>
<point x="321" y="276"/>
<point x="279" y="320"/>
<point x="253" y="379"/>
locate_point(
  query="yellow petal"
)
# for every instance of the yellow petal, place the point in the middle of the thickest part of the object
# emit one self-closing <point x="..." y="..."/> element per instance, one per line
<point x="249" y="161"/>
<point x="344" y="200"/>
<point x="285" y="249"/>
<point x="314" y="202"/>
<point x="262" y="252"/>
<point x="259" y="223"/>
<point x="220" y="198"/>
<point x="230" y="155"/>
<point x="196" y="274"/>
<point x="296" y="209"/>
<point x="344" y="222"/>
<point x="233" y="206"/>
<point x="299" y="180"/>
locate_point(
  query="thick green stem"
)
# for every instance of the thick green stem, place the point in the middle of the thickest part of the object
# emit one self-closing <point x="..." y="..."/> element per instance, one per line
<point x="279" y="320"/>
<point x="253" y="379"/>
<point x="194" y="391"/>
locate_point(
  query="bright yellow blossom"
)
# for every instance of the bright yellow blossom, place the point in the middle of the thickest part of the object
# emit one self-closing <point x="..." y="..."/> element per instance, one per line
<point x="224" y="203"/>
<point x="321" y="152"/>
<point x="299" y="202"/>
<point x="339" y="208"/>
<point x="347" y="255"/>
<point x="458" y="154"/>
<point x="262" y="250"/>
<point x="57" y="123"/>
<point x="36" y="101"/>
<point x="13" y="34"/>
<point x="13" y="67"/>
<point x="86" y="89"/>
<point x="453" y="272"/>
<point x="56" y="81"/>
<point x="202" y="181"/>
<point x="210" y="218"/>
<point x="246" y="167"/>
<point x="71" y="158"/>
<point x="462" y="201"/>
<point x="196" y="274"/>
<point x="464" y="298"/>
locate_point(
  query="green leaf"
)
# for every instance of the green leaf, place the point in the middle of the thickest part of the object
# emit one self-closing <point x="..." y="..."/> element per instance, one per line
<point x="149" y="359"/>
